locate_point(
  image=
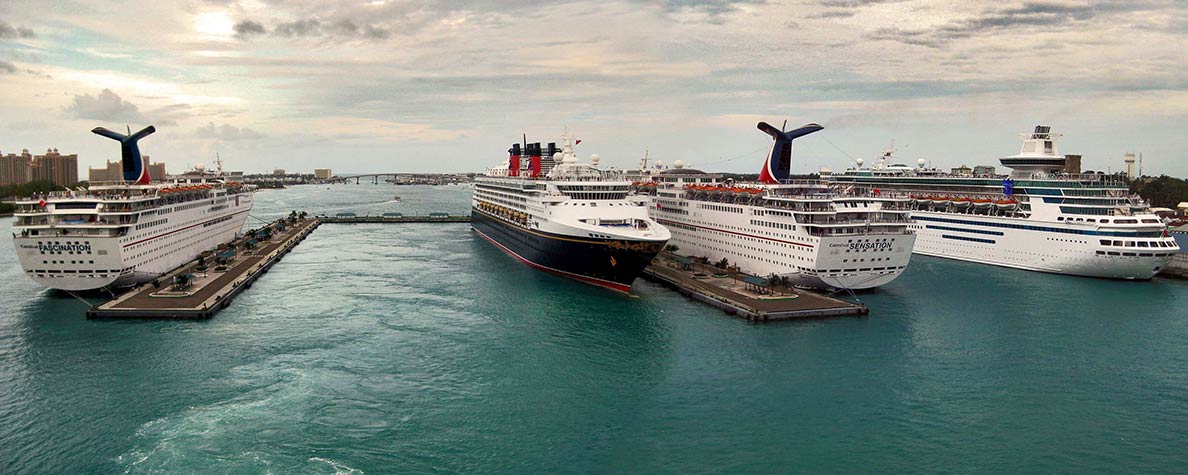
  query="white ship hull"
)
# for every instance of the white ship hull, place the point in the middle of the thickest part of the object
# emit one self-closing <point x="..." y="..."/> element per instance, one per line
<point x="77" y="262"/>
<point x="828" y="262"/>
<point x="1053" y="247"/>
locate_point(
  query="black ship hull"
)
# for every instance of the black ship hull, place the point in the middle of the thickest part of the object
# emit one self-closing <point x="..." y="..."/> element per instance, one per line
<point x="609" y="263"/>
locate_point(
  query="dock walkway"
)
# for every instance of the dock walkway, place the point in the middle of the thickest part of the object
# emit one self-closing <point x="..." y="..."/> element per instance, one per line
<point x="210" y="293"/>
<point x="394" y="219"/>
<point x="802" y="304"/>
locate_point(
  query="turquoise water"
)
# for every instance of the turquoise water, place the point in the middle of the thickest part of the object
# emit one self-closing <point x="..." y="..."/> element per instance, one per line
<point x="421" y="348"/>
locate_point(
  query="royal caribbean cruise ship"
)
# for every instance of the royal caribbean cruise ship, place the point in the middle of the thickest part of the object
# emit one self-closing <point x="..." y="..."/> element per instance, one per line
<point x="555" y="214"/>
<point x="803" y="230"/>
<point x="126" y="233"/>
<point x="1037" y="218"/>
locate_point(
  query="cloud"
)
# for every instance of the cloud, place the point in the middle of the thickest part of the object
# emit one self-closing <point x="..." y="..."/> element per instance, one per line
<point x="8" y="31"/>
<point x="7" y="67"/>
<point x="1048" y="15"/>
<point x="226" y="132"/>
<point x="711" y="7"/>
<point x="105" y="106"/>
<point x="299" y="28"/>
<point x="247" y="29"/>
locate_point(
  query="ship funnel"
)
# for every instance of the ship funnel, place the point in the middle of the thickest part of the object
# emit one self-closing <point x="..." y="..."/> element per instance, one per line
<point x="779" y="162"/>
<point x="134" y="166"/>
<point x="513" y="160"/>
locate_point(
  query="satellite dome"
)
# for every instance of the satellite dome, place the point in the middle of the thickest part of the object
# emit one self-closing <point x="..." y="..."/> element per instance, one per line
<point x="678" y="164"/>
<point x="826" y="170"/>
<point x="199" y="166"/>
<point x="557" y="157"/>
<point x="920" y="162"/>
<point x="594" y="158"/>
<point x="858" y="161"/>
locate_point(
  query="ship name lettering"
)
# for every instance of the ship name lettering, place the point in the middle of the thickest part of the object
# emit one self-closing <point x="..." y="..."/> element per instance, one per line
<point x="64" y="247"/>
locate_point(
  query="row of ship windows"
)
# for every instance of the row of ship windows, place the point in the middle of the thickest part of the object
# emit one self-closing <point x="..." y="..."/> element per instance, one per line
<point x="834" y="272"/>
<point x="790" y="227"/>
<point x="1106" y="221"/>
<point x="729" y="209"/>
<point x="63" y="262"/>
<point x="151" y="224"/>
<point x="1107" y="242"/>
<point x="1135" y="254"/>
<point x="98" y="273"/>
<point x="700" y="241"/>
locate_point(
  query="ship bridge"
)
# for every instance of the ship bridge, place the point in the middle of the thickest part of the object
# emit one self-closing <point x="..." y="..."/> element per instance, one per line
<point x="1039" y="155"/>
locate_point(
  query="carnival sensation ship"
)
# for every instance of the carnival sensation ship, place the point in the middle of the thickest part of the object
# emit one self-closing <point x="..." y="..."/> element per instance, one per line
<point x="802" y="230"/>
<point x="1040" y="217"/>
<point x="129" y="232"/>
<point x="555" y="214"/>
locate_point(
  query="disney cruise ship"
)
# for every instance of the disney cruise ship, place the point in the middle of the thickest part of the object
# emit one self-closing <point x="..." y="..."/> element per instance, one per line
<point x="1038" y="218"/>
<point x="806" y="231"/>
<point x="126" y="233"/>
<point x="555" y="214"/>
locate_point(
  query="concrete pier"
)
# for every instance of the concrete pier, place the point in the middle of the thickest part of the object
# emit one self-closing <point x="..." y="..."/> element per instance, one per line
<point x="212" y="290"/>
<point x="728" y="295"/>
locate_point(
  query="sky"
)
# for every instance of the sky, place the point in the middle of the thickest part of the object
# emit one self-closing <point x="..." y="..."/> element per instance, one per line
<point x="447" y="86"/>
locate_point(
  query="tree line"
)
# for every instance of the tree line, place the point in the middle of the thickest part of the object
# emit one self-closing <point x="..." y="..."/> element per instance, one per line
<point x="1162" y="192"/>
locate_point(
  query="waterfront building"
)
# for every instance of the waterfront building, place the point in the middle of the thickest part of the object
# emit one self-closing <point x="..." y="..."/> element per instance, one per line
<point x="16" y="169"/>
<point x="322" y="173"/>
<point x="113" y="171"/>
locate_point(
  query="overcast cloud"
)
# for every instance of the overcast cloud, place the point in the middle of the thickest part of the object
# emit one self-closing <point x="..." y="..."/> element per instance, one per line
<point x="420" y="85"/>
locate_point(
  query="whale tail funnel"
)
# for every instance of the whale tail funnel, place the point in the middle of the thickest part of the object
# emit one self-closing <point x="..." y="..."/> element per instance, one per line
<point x="778" y="166"/>
<point x="135" y="169"/>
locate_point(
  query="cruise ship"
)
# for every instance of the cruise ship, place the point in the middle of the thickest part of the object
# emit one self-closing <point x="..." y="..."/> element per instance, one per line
<point x="129" y="232"/>
<point x="1039" y="217"/>
<point x="803" y="230"/>
<point x="553" y="213"/>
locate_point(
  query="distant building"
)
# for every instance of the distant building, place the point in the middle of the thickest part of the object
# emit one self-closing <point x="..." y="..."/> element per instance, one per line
<point x="322" y="173"/>
<point x="114" y="171"/>
<point x="1072" y="164"/>
<point x="278" y="171"/>
<point x="983" y="170"/>
<point x="1129" y="159"/>
<point x="61" y="170"/>
<point x="16" y="169"/>
<point x="962" y="171"/>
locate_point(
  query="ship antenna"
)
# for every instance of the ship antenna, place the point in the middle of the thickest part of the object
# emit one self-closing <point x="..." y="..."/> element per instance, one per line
<point x="785" y="126"/>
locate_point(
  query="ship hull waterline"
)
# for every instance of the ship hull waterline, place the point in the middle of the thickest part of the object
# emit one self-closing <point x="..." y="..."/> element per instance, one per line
<point x="609" y="263"/>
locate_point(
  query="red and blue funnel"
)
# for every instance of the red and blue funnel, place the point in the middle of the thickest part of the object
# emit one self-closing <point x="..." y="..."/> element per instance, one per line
<point x="779" y="162"/>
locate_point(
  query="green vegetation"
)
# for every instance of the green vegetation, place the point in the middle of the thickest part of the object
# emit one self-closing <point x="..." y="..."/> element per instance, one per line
<point x="28" y="189"/>
<point x="1162" y="192"/>
<point x="7" y="208"/>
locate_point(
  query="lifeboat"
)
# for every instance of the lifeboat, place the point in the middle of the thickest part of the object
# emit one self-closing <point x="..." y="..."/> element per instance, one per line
<point x="961" y="202"/>
<point x="982" y="203"/>
<point x="1006" y="205"/>
<point x="941" y="201"/>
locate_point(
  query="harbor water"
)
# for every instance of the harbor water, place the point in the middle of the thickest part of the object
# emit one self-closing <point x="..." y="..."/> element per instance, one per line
<point x="415" y="348"/>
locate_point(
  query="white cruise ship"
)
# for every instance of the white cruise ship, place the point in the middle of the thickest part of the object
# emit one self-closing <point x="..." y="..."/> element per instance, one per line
<point x="126" y="233"/>
<point x="803" y="230"/>
<point x="1038" y="218"/>
<point x="555" y="214"/>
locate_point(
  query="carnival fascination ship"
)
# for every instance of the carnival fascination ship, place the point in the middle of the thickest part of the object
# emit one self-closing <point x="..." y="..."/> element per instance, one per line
<point x="1038" y="218"/>
<point x="803" y="230"/>
<point x="555" y="214"/>
<point x="126" y="233"/>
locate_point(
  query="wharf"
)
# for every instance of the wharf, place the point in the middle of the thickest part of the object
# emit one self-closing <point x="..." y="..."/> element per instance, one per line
<point x="726" y="294"/>
<point x="214" y="289"/>
<point x="432" y="218"/>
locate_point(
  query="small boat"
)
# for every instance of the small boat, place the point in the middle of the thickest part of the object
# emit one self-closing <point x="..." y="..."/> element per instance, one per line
<point x="982" y="203"/>
<point x="396" y="198"/>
